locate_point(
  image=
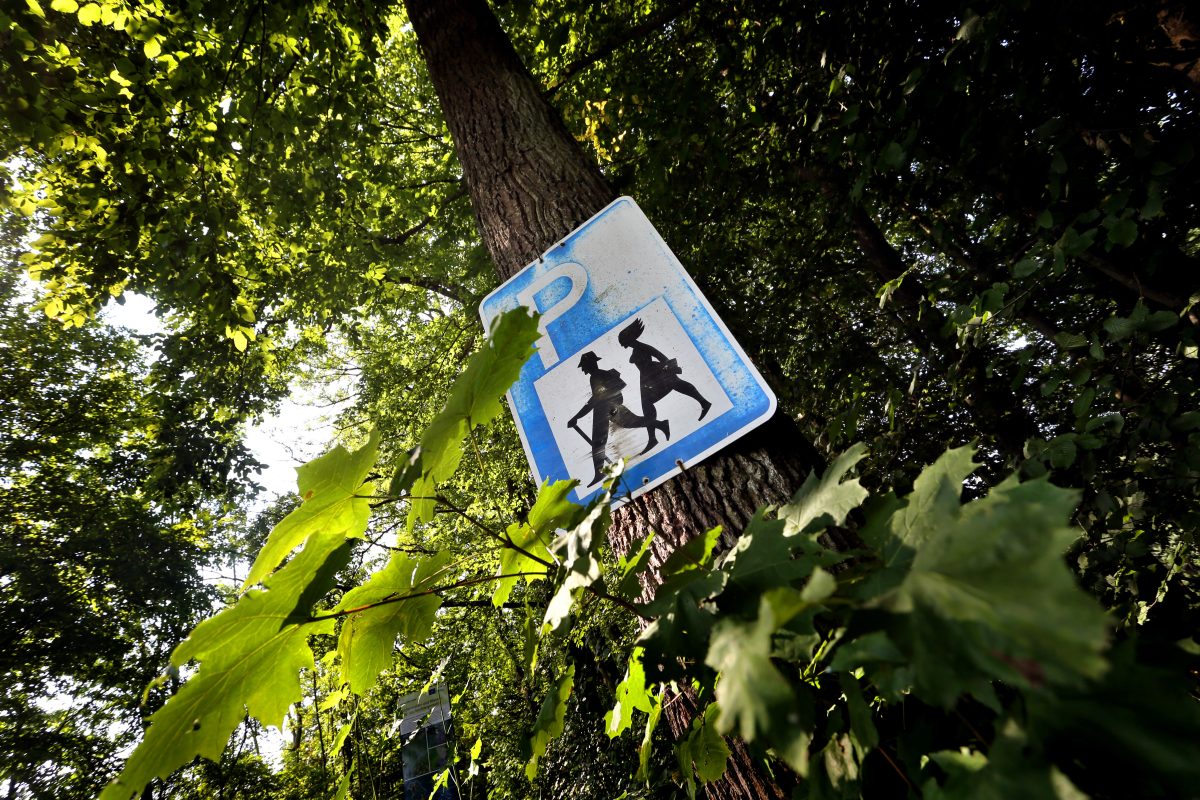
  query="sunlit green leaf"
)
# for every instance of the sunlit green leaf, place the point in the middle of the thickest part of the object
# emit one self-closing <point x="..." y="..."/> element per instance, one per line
<point x="474" y="400"/>
<point x="631" y="694"/>
<point x="250" y="658"/>
<point x="403" y="606"/>
<point x="551" y="718"/>
<point x="530" y="540"/>
<point x="336" y="504"/>
<point x="577" y="550"/>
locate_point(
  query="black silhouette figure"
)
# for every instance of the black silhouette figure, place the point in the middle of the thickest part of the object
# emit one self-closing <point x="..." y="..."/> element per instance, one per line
<point x="607" y="408"/>
<point x="659" y="375"/>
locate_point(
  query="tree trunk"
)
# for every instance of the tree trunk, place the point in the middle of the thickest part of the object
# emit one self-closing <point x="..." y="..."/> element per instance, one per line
<point x="531" y="185"/>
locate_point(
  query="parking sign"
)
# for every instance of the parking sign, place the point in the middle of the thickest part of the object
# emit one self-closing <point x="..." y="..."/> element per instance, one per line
<point x="632" y="363"/>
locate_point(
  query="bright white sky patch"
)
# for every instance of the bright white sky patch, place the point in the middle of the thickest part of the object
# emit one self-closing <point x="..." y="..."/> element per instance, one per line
<point x="137" y="314"/>
<point x="298" y="433"/>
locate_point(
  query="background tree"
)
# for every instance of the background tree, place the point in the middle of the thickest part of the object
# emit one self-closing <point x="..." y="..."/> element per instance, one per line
<point x="101" y="569"/>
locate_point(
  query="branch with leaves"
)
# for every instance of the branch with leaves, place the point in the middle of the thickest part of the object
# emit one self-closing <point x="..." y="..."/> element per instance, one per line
<point x="805" y="654"/>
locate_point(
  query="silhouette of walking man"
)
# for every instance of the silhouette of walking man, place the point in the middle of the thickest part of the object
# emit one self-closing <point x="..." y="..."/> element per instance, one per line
<point x="659" y="374"/>
<point x="607" y="408"/>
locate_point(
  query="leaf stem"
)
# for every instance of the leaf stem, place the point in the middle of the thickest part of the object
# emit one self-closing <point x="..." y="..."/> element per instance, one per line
<point x="423" y="593"/>
<point x="504" y="539"/>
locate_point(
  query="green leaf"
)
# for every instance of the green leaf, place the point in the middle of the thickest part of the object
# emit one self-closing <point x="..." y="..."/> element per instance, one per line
<point x="577" y="550"/>
<point x="333" y="699"/>
<point x="1012" y="768"/>
<point x="1026" y="267"/>
<point x="872" y="648"/>
<point x="647" y="746"/>
<point x="340" y="739"/>
<point x="153" y="48"/>
<point x="633" y="566"/>
<point x="1135" y="726"/>
<point x="839" y="766"/>
<point x="862" y="722"/>
<point x="1187" y="421"/>
<point x="65" y="6"/>
<point x="892" y="156"/>
<point x="934" y="499"/>
<point x="551" y="718"/>
<point x="680" y="631"/>
<point x="1159" y="321"/>
<point x="757" y="702"/>
<point x="969" y="28"/>
<point x="551" y="510"/>
<point x="89" y="14"/>
<point x="406" y="474"/>
<point x="822" y="502"/>
<point x="690" y="562"/>
<point x="877" y="531"/>
<point x="683" y="757"/>
<point x="819" y="587"/>
<point x="1070" y="341"/>
<point x="1123" y="233"/>
<point x="343" y="788"/>
<point x="531" y="638"/>
<point x="631" y="694"/>
<point x="1153" y="207"/>
<point x="474" y="400"/>
<point x="988" y="595"/>
<point x="250" y="655"/>
<point x="707" y="748"/>
<point x="336" y="504"/>
<point x="368" y="637"/>
<point x="761" y="558"/>
<point x="1119" y="328"/>
<point x="1061" y="451"/>
<point x="1083" y="403"/>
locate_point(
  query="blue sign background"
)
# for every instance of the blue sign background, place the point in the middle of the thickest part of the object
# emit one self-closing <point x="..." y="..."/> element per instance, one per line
<point x="627" y="267"/>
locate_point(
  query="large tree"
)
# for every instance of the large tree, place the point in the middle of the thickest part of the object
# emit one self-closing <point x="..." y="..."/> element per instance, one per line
<point x="531" y="185"/>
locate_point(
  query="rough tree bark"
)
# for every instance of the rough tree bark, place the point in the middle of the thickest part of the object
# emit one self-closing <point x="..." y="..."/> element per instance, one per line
<point x="530" y="185"/>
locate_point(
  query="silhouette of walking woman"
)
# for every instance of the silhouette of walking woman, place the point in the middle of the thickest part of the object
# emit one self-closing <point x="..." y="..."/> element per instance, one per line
<point x="607" y="408"/>
<point x="659" y="374"/>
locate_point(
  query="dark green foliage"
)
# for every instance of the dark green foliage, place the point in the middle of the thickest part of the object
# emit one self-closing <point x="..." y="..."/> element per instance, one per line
<point x="922" y="221"/>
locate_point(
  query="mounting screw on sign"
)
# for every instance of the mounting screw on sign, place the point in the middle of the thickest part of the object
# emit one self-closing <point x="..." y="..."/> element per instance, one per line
<point x="634" y="364"/>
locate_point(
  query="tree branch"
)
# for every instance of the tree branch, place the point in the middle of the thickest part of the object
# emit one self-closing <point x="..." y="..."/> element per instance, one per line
<point x="424" y="593"/>
<point x="643" y="29"/>
<point x="437" y="287"/>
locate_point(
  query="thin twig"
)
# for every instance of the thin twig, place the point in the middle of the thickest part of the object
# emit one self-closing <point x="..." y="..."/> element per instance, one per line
<point x="504" y="539"/>
<point x="414" y="595"/>
<point x="899" y="771"/>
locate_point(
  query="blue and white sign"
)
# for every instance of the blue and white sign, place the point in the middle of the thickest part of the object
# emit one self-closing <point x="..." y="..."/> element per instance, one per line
<point x="633" y="363"/>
